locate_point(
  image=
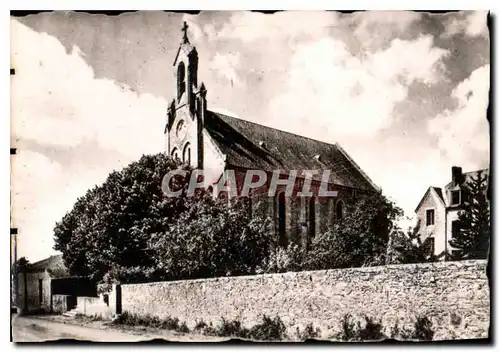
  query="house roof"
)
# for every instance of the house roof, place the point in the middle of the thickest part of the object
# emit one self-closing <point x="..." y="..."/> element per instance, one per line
<point x="253" y="146"/>
<point x="467" y="176"/>
<point x="437" y="191"/>
<point x="52" y="263"/>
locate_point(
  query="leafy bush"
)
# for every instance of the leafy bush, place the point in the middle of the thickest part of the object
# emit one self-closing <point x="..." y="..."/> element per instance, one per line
<point x="309" y="332"/>
<point x="372" y="331"/>
<point x="422" y="330"/>
<point x="282" y="260"/>
<point x="407" y="248"/>
<point x="167" y="323"/>
<point x="352" y="331"/>
<point x="348" y="328"/>
<point x="232" y="328"/>
<point x="268" y="330"/>
<point x="359" y="239"/>
<point x="210" y="239"/>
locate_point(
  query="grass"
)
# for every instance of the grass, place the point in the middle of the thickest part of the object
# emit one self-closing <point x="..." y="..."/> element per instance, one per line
<point x="373" y="330"/>
<point x="167" y="323"/>
<point x="273" y="329"/>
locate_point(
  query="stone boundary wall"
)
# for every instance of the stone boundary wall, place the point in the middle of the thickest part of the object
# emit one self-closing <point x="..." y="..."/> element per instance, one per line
<point x="94" y="306"/>
<point x="454" y="295"/>
<point x="63" y="303"/>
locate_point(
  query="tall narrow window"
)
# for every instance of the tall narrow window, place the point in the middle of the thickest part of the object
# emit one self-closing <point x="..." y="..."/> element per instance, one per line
<point x="283" y="241"/>
<point x="186" y="155"/>
<point x="175" y="154"/>
<point x="312" y="217"/>
<point x="429" y="214"/>
<point x="339" y="210"/>
<point x="455" y="228"/>
<point x="181" y="80"/>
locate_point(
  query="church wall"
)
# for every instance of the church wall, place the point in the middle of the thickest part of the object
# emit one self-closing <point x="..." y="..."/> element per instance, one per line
<point x="297" y="207"/>
<point x="396" y="293"/>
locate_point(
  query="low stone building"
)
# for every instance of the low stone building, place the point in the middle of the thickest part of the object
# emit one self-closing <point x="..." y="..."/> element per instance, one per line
<point x="34" y="284"/>
<point x="39" y="281"/>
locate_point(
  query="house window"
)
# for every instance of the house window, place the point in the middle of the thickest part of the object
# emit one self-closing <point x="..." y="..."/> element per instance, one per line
<point x="175" y="154"/>
<point x="455" y="228"/>
<point x="282" y="220"/>
<point x="186" y="155"/>
<point x="312" y="217"/>
<point x="429" y="217"/>
<point x="339" y="210"/>
<point x="455" y="197"/>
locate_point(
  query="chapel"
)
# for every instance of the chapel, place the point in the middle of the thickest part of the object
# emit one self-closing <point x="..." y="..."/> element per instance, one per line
<point x="215" y="142"/>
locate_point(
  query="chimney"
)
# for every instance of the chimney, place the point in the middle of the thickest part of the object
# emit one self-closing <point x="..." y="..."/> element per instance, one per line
<point x="456" y="175"/>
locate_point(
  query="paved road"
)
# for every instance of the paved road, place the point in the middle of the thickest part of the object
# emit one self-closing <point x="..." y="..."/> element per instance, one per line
<point x="29" y="329"/>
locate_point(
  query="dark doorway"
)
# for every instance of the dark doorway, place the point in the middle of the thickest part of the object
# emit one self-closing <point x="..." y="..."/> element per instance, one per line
<point x="40" y="291"/>
<point x="118" y="299"/>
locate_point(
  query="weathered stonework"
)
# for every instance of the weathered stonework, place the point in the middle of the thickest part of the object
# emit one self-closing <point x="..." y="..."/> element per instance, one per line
<point x="440" y="291"/>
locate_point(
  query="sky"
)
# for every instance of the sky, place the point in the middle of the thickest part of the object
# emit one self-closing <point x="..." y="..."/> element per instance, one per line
<point x="404" y="93"/>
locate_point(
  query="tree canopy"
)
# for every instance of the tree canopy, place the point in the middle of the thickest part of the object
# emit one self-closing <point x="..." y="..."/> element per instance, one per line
<point x="112" y="223"/>
<point x="472" y="240"/>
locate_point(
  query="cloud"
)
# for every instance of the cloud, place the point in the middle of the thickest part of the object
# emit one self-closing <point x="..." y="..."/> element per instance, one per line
<point x="463" y="133"/>
<point x="470" y="23"/>
<point x="59" y="106"/>
<point x="346" y="94"/>
<point x="374" y="29"/>
<point x="224" y="65"/>
<point x="250" y="26"/>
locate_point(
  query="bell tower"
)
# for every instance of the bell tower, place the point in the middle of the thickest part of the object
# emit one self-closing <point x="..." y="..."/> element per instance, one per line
<point x="186" y="112"/>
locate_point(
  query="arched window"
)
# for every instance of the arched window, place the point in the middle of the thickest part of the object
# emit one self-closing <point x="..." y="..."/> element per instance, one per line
<point x="175" y="154"/>
<point x="331" y="212"/>
<point x="181" y="80"/>
<point x="339" y="210"/>
<point x="312" y="217"/>
<point x="283" y="241"/>
<point x="186" y="154"/>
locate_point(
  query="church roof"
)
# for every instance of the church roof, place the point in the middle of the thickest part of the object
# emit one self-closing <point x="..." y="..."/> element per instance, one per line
<point x="253" y="146"/>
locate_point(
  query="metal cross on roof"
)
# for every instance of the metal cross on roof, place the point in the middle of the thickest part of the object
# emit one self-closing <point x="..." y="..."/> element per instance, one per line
<point x="184" y="29"/>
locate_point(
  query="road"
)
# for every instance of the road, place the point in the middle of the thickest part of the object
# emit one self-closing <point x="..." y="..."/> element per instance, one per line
<point x="29" y="329"/>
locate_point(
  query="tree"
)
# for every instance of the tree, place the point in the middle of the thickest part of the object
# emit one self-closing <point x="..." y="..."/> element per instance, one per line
<point x="473" y="238"/>
<point x="359" y="239"/>
<point x="127" y="230"/>
<point x="408" y="247"/>
<point x="112" y="223"/>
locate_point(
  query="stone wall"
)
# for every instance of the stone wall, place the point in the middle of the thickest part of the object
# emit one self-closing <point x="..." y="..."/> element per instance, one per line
<point x="63" y="303"/>
<point x="454" y="295"/>
<point x="95" y="306"/>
